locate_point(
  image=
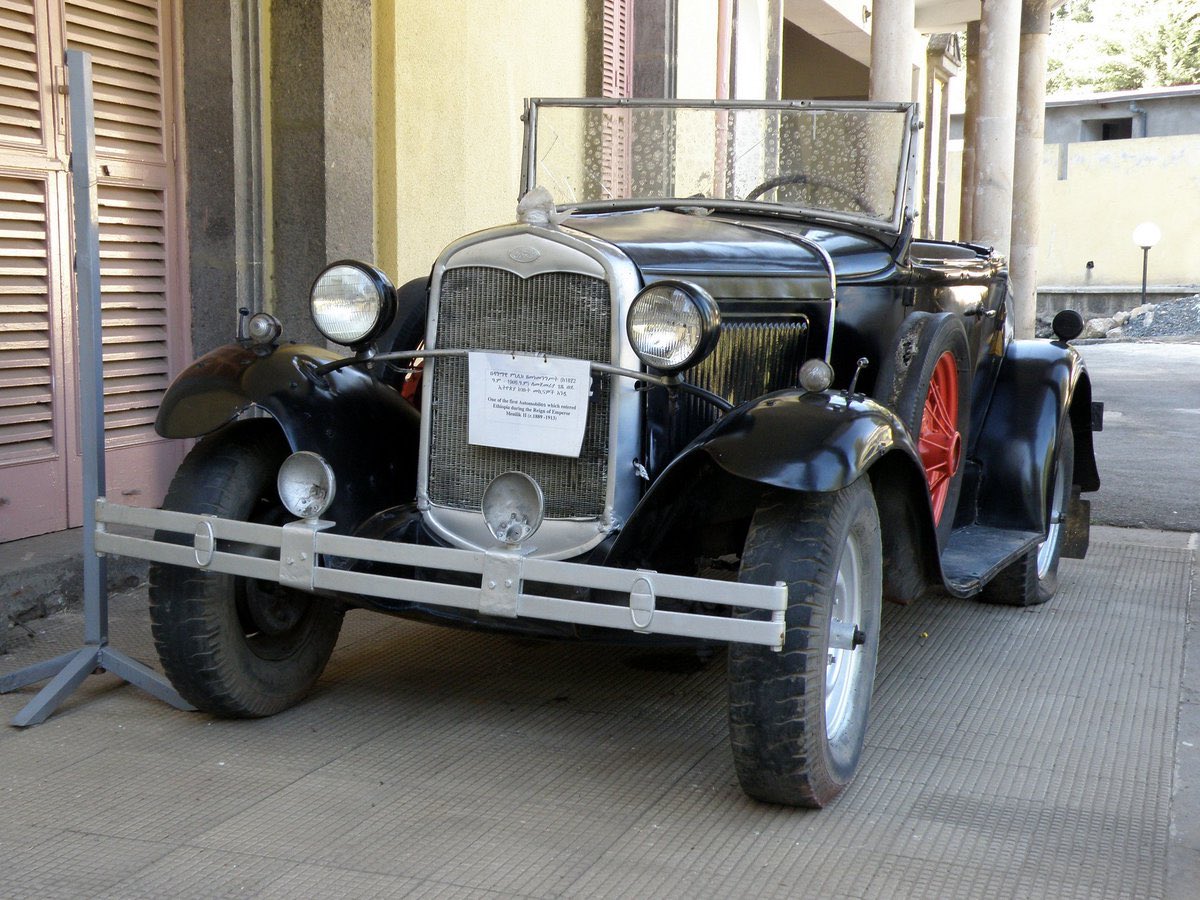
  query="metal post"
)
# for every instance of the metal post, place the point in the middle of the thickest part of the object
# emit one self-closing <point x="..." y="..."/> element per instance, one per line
<point x="87" y="304"/>
<point x="1145" y="271"/>
<point x="68" y="671"/>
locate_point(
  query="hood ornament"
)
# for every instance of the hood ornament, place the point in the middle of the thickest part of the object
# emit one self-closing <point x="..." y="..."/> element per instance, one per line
<point x="537" y="208"/>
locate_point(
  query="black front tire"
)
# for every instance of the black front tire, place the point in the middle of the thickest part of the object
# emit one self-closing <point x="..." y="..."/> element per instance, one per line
<point x="798" y="717"/>
<point x="234" y="646"/>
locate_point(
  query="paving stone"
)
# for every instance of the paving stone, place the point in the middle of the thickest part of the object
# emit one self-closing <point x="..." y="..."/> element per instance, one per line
<point x="1013" y="753"/>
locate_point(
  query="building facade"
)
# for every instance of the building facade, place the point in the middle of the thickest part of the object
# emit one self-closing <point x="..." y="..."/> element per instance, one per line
<point x="1109" y="163"/>
<point x="145" y="319"/>
<point x="245" y="144"/>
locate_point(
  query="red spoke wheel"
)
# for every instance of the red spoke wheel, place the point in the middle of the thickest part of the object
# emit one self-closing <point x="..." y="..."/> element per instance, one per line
<point x="923" y="380"/>
<point x="940" y="441"/>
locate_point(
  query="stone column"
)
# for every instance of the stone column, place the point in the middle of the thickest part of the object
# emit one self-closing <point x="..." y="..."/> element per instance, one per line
<point x="214" y="134"/>
<point x="654" y="48"/>
<point x="774" y="49"/>
<point x="322" y="148"/>
<point x="892" y="50"/>
<point x="996" y="124"/>
<point x="1027" y="165"/>
<point x="349" y="115"/>
<point x="966" y="204"/>
<point x="939" y="209"/>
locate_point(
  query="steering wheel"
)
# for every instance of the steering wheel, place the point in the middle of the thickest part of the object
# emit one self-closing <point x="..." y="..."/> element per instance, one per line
<point x="808" y="180"/>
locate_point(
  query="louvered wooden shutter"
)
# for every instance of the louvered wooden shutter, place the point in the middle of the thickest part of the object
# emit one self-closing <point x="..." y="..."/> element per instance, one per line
<point x="40" y="466"/>
<point x="26" y="359"/>
<point x="617" y="80"/>
<point x="25" y="318"/>
<point x="618" y="59"/>
<point x="133" y="279"/>
<point x="124" y="41"/>
<point x="33" y="445"/>
<point x="22" y="73"/>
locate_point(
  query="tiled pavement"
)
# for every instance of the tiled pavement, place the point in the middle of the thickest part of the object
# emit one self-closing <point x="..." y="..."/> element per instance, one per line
<point x="1013" y="753"/>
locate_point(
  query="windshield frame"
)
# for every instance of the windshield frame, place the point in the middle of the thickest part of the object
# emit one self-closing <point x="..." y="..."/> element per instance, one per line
<point x="903" y="211"/>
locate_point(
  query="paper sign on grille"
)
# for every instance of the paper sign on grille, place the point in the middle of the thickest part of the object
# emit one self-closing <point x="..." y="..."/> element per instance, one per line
<point x="522" y="402"/>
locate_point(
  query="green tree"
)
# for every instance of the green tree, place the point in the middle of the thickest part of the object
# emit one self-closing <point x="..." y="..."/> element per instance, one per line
<point x="1170" y="54"/>
<point x="1110" y="45"/>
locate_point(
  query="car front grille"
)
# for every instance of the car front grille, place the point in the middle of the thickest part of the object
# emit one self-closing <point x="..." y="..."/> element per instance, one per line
<point x="557" y="313"/>
<point x="752" y="358"/>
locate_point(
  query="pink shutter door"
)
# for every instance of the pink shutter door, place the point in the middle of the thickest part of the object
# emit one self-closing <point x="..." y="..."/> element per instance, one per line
<point x="143" y="310"/>
<point x="34" y="419"/>
<point x="618" y="81"/>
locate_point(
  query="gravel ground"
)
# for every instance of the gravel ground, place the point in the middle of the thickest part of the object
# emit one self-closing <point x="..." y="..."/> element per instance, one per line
<point x="1180" y="317"/>
<point x="1175" y="319"/>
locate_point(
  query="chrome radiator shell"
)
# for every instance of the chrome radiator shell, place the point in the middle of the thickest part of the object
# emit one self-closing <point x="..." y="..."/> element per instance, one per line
<point x="557" y="313"/>
<point x="530" y="289"/>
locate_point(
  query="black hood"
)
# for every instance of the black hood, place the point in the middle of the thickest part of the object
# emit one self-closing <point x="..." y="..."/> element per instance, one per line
<point x="664" y="242"/>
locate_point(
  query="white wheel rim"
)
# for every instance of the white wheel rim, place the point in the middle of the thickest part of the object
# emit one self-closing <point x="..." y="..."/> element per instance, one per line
<point x="1048" y="549"/>
<point x="841" y="675"/>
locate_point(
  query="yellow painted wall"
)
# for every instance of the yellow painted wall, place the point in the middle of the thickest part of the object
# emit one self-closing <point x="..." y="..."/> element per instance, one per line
<point x="1110" y="187"/>
<point x="696" y="33"/>
<point x="450" y="80"/>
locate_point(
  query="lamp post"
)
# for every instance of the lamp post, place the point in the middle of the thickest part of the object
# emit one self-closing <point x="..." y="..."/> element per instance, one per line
<point x="1146" y="236"/>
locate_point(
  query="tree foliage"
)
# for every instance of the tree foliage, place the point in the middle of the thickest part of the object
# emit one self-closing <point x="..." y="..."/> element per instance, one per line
<point x="1111" y="45"/>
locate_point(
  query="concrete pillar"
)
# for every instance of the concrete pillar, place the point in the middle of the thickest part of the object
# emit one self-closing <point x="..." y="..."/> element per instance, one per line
<point x="654" y="48"/>
<point x="210" y="145"/>
<point x="349" y="117"/>
<point x="774" y="49"/>
<point x="939" y="209"/>
<point x="996" y="125"/>
<point x="966" y="205"/>
<point x="1027" y="164"/>
<point x="322" y="149"/>
<point x="892" y="50"/>
<point x="297" y="159"/>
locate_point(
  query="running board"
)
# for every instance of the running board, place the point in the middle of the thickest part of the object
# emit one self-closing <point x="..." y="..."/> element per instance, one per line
<point x="976" y="553"/>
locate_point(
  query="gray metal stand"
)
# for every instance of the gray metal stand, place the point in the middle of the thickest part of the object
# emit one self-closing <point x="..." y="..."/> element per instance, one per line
<point x="68" y="671"/>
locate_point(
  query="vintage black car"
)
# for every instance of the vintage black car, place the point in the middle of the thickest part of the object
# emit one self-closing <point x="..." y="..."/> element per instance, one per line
<point x="708" y="391"/>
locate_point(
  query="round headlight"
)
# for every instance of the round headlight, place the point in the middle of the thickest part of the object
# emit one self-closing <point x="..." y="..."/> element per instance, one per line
<point x="673" y="325"/>
<point x="306" y="484"/>
<point x="352" y="303"/>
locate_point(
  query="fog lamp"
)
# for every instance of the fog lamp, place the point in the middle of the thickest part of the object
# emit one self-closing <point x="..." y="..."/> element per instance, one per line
<point x="352" y="303"/>
<point x="816" y="375"/>
<point x="306" y="485"/>
<point x="672" y="325"/>
<point x="513" y="506"/>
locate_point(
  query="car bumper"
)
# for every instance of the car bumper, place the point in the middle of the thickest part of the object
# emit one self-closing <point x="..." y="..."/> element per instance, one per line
<point x="292" y="555"/>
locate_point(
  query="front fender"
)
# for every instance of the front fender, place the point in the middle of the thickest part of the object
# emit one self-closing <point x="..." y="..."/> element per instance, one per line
<point x="364" y="429"/>
<point x="701" y="505"/>
<point x="804" y="441"/>
<point x="1041" y="387"/>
